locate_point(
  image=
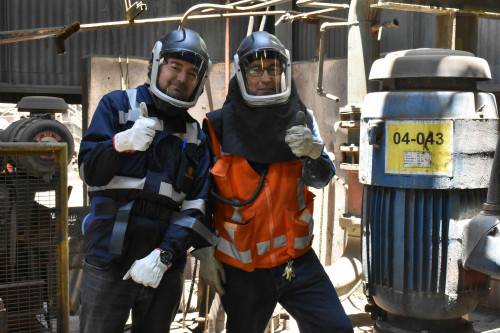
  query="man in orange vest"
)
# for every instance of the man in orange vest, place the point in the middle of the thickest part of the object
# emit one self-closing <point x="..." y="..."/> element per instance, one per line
<point x="267" y="151"/>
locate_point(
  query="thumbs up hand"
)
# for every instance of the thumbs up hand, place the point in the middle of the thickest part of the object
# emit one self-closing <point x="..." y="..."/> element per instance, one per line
<point x="139" y="137"/>
<point x="301" y="140"/>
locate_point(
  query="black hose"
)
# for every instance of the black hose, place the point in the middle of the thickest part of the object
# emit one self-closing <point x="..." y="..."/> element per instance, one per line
<point x="252" y="198"/>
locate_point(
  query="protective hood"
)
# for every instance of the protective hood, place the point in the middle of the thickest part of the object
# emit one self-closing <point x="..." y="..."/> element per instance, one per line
<point x="166" y="109"/>
<point x="256" y="133"/>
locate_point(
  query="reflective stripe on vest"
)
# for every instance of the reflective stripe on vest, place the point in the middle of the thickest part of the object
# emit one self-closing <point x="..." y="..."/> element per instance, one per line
<point x="228" y="248"/>
<point x="302" y="242"/>
<point x="300" y="194"/>
<point x="236" y="215"/>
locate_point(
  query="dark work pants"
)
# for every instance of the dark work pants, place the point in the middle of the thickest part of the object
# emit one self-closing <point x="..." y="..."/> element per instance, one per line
<point x="309" y="298"/>
<point x="107" y="300"/>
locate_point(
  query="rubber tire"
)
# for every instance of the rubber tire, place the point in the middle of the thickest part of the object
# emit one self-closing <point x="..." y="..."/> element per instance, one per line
<point x="26" y="130"/>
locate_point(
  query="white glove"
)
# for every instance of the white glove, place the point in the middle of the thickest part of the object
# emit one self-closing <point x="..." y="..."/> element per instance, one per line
<point x="303" y="143"/>
<point x="210" y="268"/>
<point x="147" y="271"/>
<point x="139" y="137"/>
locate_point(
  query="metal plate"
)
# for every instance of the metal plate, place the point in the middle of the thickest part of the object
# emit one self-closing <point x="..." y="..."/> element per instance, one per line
<point x="419" y="147"/>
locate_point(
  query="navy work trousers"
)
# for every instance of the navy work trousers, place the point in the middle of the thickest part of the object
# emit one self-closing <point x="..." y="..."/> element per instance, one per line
<point x="106" y="301"/>
<point x="309" y="298"/>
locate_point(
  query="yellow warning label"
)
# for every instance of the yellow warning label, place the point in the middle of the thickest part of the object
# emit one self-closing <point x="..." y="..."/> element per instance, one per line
<point x="419" y="147"/>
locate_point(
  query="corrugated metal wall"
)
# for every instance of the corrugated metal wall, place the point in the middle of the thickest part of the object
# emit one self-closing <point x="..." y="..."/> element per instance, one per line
<point x="304" y="37"/>
<point x="489" y="48"/>
<point x="27" y="65"/>
<point x="415" y="30"/>
<point x="34" y="67"/>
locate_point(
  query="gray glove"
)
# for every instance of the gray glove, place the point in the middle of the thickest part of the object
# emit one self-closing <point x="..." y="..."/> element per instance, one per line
<point x="303" y="143"/>
<point x="210" y="268"/>
<point x="139" y="137"/>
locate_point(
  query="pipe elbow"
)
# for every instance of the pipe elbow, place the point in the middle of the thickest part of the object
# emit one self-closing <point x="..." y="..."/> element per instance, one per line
<point x="346" y="272"/>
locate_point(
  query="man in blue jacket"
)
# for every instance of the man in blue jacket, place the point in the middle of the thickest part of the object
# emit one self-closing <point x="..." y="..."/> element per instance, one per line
<point x="145" y="160"/>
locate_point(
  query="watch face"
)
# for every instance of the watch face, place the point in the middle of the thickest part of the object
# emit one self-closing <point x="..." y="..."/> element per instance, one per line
<point x="166" y="258"/>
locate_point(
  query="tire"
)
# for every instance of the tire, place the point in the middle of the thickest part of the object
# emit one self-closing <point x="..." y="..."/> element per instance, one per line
<point x="38" y="129"/>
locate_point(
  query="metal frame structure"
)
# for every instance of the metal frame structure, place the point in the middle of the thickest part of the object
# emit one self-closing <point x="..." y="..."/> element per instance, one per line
<point x="56" y="238"/>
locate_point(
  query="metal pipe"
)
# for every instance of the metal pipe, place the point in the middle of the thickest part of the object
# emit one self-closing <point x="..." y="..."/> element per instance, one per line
<point x="346" y="272"/>
<point x="66" y="33"/>
<point x="263" y="4"/>
<point x="207" y="298"/>
<point x="319" y="88"/>
<point x="389" y="24"/>
<point x="312" y="3"/>
<point x="61" y="219"/>
<point x="263" y="21"/>
<point x="226" y="59"/>
<point x="202" y="6"/>
<point x="31" y="31"/>
<point x="432" y="9"/>
<point x="316" y="14"/>
<point x="250" y="25"/>
<point x="53" y="31"/>
<point x="22" y="39"/>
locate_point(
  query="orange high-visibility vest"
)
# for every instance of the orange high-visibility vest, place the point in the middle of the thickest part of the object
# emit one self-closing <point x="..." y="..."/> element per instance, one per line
<point x="276" y="227"/>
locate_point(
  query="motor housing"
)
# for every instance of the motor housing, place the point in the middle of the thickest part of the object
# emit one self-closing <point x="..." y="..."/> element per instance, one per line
<point x="427" y="141"/>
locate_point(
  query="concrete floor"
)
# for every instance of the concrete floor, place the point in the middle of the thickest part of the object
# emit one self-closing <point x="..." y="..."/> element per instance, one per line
<point x="483" y="319"/>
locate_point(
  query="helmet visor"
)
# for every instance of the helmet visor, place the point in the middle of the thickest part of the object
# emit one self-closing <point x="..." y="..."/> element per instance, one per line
<point x="264" y="73"/>
<point x="180" y="75"/>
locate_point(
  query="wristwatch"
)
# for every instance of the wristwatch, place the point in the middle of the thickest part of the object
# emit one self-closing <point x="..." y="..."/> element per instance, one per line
<point x="166" y="258"/>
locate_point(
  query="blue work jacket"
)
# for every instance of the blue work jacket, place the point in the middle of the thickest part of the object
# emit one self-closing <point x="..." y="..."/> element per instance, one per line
<point x="172" y="173"/>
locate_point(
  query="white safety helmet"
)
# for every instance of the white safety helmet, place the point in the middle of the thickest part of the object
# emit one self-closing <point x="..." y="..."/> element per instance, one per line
<point x="257" y="46"/>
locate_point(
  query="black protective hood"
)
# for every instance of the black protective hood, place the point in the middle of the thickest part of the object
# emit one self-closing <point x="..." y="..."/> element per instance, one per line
<point x="256" y="133"/>
<point x="173" y="116"/>
<point x="167" y="109"/>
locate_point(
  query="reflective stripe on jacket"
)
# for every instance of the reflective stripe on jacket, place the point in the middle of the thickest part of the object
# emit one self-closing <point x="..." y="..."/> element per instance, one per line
<point x="276" y="227"/>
